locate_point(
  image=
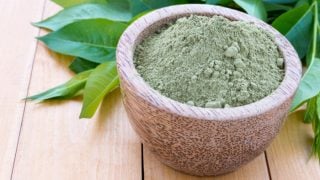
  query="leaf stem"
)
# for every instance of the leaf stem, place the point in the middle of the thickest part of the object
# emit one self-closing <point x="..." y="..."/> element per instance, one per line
<point x="315" y="30"/>
<point x="315" y="115"/>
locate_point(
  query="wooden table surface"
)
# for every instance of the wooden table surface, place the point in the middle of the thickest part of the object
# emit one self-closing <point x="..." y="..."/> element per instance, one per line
<point x="48" y="141"/>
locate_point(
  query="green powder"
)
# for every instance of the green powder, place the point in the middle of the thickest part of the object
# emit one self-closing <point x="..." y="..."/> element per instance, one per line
<point x="210" y="62"/>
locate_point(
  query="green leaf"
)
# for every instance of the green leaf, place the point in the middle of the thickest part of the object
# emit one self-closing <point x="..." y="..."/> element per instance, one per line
<point x="276" y="7"/>
<point x="309" y="85"/>
<point x="138" y="16"/>
<point x="131" y="6"/>
<point x="82" y="12"/>
<point x="301" y="3"/>
<point x="280" y="1"/>
<point x="158" y="4"/>
<point x="301" y="34"/>
<point x="137" y="7"/>
<point x="296" y="25"/>
<point x="253" y="7"/>
<point x="318" y="106"/>
<point x="314" y="47"/>
<point x="286" y="21"/>
<point x="94" y="39"/>
<point x="316" y="130"/>
<point x="311" y="112"/>
<point x="102" y="81"/>
<point x="66" y="90"/>
<point x="196" y="1"/>
<point x="79" y="65"/>
<point x="68" y="3"/>
<point x="220" y="2"/>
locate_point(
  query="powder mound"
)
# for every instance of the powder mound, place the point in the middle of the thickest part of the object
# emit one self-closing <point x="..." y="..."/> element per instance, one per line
<point x="210" y="62"/>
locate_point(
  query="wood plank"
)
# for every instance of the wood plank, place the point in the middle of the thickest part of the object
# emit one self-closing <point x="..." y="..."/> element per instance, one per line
<point x="154" y="170"/>
<point x="55" y="144"/>
<point x="289" y="154"/>
<point x="17" y="49"/>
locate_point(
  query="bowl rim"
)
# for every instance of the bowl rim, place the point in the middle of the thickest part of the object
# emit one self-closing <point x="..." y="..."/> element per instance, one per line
<point x="138" y="29"/>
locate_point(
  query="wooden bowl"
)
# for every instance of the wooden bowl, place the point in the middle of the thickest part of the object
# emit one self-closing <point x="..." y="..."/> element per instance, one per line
<point x="195" y="140"/>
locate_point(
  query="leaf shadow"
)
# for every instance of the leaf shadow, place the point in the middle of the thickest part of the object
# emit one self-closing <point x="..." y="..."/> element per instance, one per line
<point x="294" y="141"/>
<point x="59" y="59"/>
<point x="108" y="110"/>
<point x="55" y="102"/>
<point x="307" y="131"/>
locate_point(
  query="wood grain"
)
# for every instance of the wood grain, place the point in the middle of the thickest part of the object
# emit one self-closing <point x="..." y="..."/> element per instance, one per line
<point x="55" y="144"/>
<point x="289" y="154"/>
<point x="154" y="170"/>
<point x="17" y="48"/>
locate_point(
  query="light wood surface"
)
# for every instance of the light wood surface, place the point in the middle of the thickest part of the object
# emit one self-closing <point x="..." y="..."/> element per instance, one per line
<point x="289" y="154"/>
<point x="55" y="144"/>
<point x="17" y="49"/>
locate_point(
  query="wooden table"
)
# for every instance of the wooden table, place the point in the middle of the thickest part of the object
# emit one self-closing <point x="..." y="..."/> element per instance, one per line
<point x="48" y="141"/>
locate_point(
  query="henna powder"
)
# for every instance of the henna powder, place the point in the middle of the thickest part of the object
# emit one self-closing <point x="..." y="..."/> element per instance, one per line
<point x="210" y="62"/>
